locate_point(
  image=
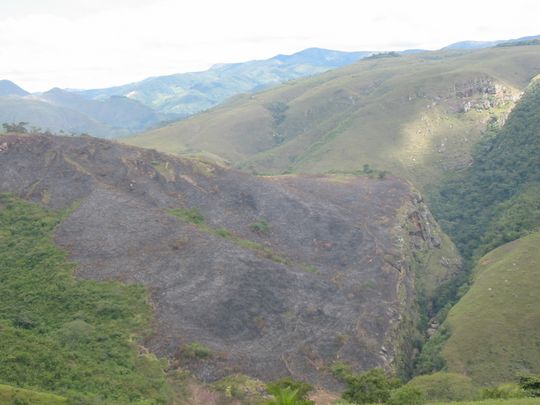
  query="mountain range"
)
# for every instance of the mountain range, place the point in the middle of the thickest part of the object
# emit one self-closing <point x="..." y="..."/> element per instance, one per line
<point x="119" y="111"/>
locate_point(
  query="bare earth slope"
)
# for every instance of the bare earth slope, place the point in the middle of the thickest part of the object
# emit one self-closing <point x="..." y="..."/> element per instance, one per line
<point x="331" y="279"/>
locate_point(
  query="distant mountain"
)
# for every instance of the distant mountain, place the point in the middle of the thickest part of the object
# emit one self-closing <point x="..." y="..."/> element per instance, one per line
<point x="8" y="88"/>
<point x="188" y="93"/>
<point x="50" y="117"/>
<point x="118" y="112"/>
<point x="487" y="44"/>
<point x="59" y="110"/>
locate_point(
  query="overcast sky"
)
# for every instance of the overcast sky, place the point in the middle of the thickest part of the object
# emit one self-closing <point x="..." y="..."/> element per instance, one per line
<point x="100" y="43"/>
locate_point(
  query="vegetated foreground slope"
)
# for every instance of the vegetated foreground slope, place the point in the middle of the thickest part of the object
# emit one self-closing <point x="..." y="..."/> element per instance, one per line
<point x="494" y="328"/>
<point x="269" y="277"/>
<point x="61" y="335"/>
<point x="12" y="395"/>
<point x="417" y="115"/>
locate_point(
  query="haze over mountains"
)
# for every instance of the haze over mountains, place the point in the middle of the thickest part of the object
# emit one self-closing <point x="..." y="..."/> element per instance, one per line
<point x="119" y="111"/>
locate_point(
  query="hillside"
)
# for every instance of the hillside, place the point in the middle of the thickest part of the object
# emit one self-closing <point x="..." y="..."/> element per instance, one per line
<point x="494" y="327"/>
<point x="497" y="198"/>
<point x="185" y="94"/>
<point x="417" y="115"/>
<point x="266" y="276"/>
<point x="488" y="44"/>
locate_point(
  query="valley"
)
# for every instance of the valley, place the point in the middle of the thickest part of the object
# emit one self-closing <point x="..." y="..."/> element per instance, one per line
<point x="326" y="227"/>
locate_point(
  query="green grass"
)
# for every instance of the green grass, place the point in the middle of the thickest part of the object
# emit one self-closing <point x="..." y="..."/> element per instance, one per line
<point x="397" y="114"/>
<point x="10" y="395"/>
<point x="494" y="327"/>
<point x="515" y="401"/>
<point x="64" y="335"/>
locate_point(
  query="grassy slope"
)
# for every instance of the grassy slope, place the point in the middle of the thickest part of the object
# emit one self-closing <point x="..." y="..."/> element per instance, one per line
<point x="495" y="325"/>
<point x="13" y="395"/>
<point x="62" y="335"/>
<point x="374" y="112"/>
<point x="514" y="401"/>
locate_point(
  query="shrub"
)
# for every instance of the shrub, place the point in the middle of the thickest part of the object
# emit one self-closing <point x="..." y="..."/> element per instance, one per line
<point x="505" y="391"/>
<point x="224" y="233"/>
<point x="530" y="384"/>
<point x="406" y="395"/>
<point x="191" y="215"/>
<point x="196" y="350"/>
<point x="372" y="386"/>
<point x="301" y="388"/>
<point x="444" y="386"/>
<point x="260" y="227"/>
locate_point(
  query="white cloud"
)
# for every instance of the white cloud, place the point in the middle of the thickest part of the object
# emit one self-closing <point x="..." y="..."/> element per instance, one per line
<point x="101" y="43"/>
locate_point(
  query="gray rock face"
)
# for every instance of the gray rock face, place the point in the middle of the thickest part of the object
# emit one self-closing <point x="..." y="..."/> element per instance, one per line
<point x="328" y="281"/>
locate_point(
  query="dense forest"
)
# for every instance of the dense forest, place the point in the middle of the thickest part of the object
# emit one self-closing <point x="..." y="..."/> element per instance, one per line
<point x="497" y="198"/>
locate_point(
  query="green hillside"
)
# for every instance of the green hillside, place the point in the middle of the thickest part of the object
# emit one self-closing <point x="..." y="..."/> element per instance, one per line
<point x="494" y="327"/>
<point x="497" y="198"/>
<point x="12" y="395"/>
<point x="417" y="115"/>
<point x="57" y="334"/>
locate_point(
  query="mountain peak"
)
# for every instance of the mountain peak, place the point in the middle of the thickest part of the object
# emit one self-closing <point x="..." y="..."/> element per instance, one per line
<point x="8" y="88"/>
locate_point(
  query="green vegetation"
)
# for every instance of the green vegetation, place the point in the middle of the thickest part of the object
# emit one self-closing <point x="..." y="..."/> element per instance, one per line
<point x="443" y="386"/>
<point x="59" y="334"/>
<point x="407" y="395"/>
<point x="19" y="128"/>
<point x="497" y="199"/>
<point x="193" y="216"/>
<point x="261" y="227"/>
<point x="514" y="401"/>
<point x="430" y="358"/>
<point x="289" y="392"/>
<point x="20" y="396"/>
<point x="381" y="55"/>
<point x="373" y="386"/>
<point x="503" y="391"/>
<point x="495" y="324"/>
<point x="530" y="384"/>
<point x="196" y="350"/>
<point x="241" y="387"/>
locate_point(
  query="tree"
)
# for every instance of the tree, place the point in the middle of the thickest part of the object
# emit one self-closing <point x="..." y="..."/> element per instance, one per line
<point x="16" y="128"/>
<point x="407" y="395"/>
<point x="289" y="392"/>
<point x="373" y="386"/>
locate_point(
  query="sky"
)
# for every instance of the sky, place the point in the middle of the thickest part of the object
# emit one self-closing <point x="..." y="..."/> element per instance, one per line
<point x="101" y="43"/>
